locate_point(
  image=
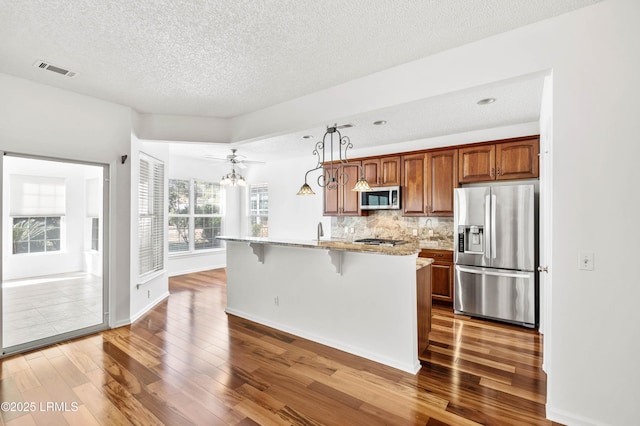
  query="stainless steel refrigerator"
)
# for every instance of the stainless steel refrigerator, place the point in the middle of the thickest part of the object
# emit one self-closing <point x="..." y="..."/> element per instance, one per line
<point x="495" y="253"/>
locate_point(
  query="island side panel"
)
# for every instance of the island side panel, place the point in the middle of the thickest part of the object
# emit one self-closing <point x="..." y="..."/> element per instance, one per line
<point x="369" y="310"/>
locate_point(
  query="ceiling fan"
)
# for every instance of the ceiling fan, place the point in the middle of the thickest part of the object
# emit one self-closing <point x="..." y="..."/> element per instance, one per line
<point x="234" y="178"/>
<point x="235" y="159"/>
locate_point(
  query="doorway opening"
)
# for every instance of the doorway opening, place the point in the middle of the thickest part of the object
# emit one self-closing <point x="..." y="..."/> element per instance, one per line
<point x="54" y="281"/>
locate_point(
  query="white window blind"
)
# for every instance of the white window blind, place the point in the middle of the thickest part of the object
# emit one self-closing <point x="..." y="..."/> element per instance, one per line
<point x="37" y="196"/>
<point x="151" y="214"/>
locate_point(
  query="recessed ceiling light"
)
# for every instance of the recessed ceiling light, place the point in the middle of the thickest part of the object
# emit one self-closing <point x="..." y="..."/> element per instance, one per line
<point x="486" y="101"/>
<point x="307" y="136"/>
<point x="380" y="122"/>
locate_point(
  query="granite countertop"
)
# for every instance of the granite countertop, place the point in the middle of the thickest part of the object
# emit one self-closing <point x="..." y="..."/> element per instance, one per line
<point x="400" y="250"/>
<point x="421" y="262"/>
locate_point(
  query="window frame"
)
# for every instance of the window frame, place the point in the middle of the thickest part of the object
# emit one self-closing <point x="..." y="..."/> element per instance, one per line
<point x="257" y="214"/>
<point x="191" y="217"/>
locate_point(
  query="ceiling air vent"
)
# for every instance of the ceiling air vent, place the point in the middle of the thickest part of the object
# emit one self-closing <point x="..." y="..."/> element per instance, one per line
<point x="56" y="69"/>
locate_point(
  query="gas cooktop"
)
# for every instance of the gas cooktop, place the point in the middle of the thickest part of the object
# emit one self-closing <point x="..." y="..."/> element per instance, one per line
<point x="379" y="242"/>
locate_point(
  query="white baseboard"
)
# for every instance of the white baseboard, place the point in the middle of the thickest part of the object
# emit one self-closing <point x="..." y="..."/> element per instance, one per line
<point x="141" y="313"/>
<point x="567" y="418"/>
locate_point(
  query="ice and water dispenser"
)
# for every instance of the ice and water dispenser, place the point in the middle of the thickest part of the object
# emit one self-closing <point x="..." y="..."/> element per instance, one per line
<point x="471" y="239"/>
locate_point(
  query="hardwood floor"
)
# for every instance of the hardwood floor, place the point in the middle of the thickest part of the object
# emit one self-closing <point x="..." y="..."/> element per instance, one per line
<point x="187" y="362"/>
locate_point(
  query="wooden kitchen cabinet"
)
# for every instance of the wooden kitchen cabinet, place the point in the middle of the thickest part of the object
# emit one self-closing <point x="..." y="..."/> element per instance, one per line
<point x="441" y="273"/>
<point x="518" y="159"/>
<point x="423" y="294"/>
<point x="512" y="159"/>
<point x="442" y="170"/>
<point x="414" y="190"/>
<point x="477" y="163"/>
<point x="382" y="171"/>
<point x="428" y="182"/>
<point x="342" y="201"/>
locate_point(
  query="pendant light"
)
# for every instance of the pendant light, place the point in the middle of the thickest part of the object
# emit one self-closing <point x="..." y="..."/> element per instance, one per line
<point x="335" y="175"/>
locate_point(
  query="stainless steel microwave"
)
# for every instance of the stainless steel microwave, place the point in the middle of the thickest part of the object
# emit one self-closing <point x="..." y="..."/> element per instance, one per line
<point x="381" y="198"/>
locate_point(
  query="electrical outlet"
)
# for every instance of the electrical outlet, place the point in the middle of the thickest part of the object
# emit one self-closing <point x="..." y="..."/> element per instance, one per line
<point x="585" y="262"/>
<point x="276" y="301"/>
<point x="431" y="232"/>
<point x="352" y="230"/>
<point x="415" y="232"/>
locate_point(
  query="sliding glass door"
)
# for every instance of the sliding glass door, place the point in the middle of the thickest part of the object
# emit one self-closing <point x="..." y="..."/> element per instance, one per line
<point x="54" y="281"/>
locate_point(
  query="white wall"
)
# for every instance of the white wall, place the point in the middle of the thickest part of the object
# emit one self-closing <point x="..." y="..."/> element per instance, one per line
<point x="290" y="215"/>
<point x="42" y="120"/>
<point x="183" y="128"/>
<point x="594" y="339"/>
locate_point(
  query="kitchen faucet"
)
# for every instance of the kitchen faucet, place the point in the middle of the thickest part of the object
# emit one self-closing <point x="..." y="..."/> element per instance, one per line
<point x="320" y="232"/>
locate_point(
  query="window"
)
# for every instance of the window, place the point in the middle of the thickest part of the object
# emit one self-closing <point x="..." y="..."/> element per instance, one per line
<point x="36" y="234"/>
<point x="38" y="206"/>
<point x="195" y="215"/>
<point x="259" y="210"/>
<point x="151" y="215"/>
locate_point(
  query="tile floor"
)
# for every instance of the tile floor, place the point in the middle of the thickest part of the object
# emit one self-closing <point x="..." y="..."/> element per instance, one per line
<point x="39" y="307"/>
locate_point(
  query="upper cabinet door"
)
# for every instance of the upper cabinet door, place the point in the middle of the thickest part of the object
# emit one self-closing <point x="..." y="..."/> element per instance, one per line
<point x="331" y="207"/>
<point x="442" y="170"/>
<point x="517" y="160"/>
<point x="371" y="167"/>
<point x="342" y="201"/>
<point x="384" y="171"/>
<point x="390" y="171"/>
<point x="348" y="199"/>
<point x="414" y="193"/>
<point x="477" y="163"/>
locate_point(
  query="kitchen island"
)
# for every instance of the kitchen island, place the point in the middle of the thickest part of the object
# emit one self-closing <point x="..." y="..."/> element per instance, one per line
<point x="356" y="298"/>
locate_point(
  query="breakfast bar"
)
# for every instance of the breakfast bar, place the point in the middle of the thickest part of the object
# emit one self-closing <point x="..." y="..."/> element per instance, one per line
<point x="357" y="298"/>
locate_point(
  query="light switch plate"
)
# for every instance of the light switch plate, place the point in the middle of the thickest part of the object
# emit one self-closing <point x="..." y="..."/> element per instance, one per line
<point x="585" y="261"/>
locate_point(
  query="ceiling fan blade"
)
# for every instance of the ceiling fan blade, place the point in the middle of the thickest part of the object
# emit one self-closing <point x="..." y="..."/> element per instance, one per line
<point x="214" y="158"/>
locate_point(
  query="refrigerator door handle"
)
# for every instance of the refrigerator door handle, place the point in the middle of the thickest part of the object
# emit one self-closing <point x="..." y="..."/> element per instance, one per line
<point x="492" y="273"/>
<point x="493" y="226"/>
<point x="487" y="226"/>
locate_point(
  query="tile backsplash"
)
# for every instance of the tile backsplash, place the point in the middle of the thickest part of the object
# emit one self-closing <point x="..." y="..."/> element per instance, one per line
<point x="433" y="232"/>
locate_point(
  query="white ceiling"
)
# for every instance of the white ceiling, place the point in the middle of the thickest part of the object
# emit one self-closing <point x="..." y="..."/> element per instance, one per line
<point x="226" y="58"/>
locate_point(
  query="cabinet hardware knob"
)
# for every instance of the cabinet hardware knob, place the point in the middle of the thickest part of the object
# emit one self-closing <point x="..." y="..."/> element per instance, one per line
<point x="543" y="269"/>
<point x="498" y="172"/>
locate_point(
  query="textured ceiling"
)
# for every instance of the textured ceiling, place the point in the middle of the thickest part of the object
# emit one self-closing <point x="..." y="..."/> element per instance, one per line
<point x="518" y="101"/>
<point x="229" y="57"/>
